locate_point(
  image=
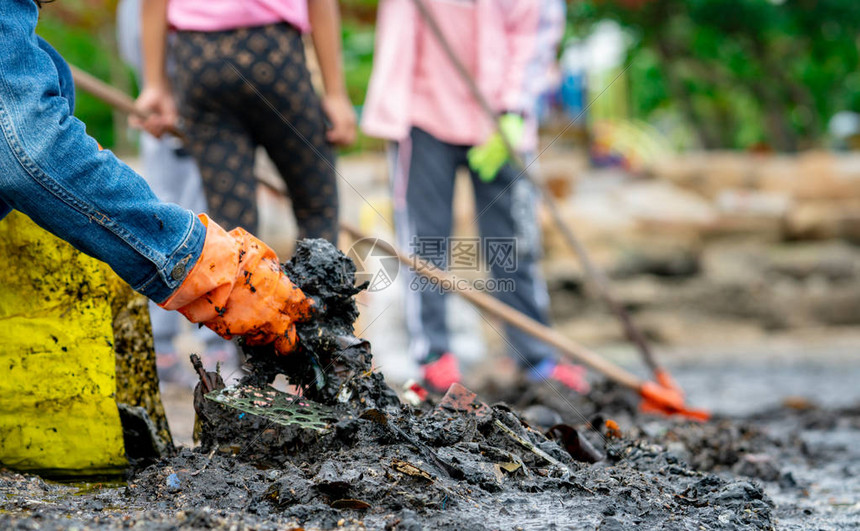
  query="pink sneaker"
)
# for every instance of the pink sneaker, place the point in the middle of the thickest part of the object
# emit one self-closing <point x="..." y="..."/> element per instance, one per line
<point x="440" y="374"/>
<point x="571" y="376"/>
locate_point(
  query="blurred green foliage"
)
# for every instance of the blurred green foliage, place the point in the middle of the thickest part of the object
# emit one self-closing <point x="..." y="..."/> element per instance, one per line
<point x="763" y="74"/>
<point x="358" y="39"/>
<point x="739" y="73"/>
<point x="83" y="32"/>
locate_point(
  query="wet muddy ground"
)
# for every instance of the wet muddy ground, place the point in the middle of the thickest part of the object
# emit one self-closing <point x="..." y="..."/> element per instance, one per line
<point x="795" y="467"/>
<point x="785" y="465"/>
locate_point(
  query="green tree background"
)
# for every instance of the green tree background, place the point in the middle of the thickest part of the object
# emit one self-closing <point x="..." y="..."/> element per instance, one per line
<point x="741" y="74"/>
<point x="84" y="31"/>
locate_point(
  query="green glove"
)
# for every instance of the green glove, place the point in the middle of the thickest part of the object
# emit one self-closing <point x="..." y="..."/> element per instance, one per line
<point x="487" y="159"/>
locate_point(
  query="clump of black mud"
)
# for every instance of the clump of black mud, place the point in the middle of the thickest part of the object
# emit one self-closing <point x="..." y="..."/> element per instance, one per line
<point x="450" y="465"/>
<point x="331" y="365"/>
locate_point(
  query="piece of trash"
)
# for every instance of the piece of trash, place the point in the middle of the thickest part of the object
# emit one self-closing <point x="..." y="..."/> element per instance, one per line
<point x="349" y="503"/>
<point x="576" y="445"/>
<point x="409" y="469"/>
<point x="510" y="467"/>
<point x="173" y="484"/>
<point x="613" y="431"/>
<point x="531" y="447"/>
<point x="413" y="393"/>
<point x="462" y="400"/>
<point x="374" y="415"/>
<point x="278" y="407"/>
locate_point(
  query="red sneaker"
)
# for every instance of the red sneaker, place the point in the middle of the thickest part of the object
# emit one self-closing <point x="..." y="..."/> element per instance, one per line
<point x="440" y="374"/>
<point x="571" y="376"/>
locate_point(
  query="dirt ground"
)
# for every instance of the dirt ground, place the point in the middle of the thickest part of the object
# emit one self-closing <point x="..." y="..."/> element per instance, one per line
<point x="789" y="467"/>
<point x="769" y="347"/>
<point x="781" y="453"/>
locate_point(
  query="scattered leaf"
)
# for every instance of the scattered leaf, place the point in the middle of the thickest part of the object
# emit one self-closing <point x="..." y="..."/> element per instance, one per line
<point x="409" y="469"/>
<point x="349" y="503"/>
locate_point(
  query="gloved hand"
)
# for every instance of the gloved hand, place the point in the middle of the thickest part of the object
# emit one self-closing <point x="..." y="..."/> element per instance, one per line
<point x="237" y="288"/>
<point x="488" y="158"/>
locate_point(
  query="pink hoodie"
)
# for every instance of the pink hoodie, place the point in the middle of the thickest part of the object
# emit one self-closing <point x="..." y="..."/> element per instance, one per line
<point x="506" y="35"/>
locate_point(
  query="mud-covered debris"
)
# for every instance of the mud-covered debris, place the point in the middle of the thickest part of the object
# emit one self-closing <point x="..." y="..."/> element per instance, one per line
<point x="576" y="445"/>
<point x="350" y="504"/>
<point x="331" y="366"/>
<point x="528" y="445"/>
<point x="279" y="407"/>
<point x="541" y="417"/>
<point x="461" y="400"/>
<point x="409" y="469"/>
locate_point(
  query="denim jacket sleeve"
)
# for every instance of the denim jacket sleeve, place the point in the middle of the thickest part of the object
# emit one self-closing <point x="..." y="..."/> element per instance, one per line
<point x="53" y="172"/>
<point x="64" y="73"/>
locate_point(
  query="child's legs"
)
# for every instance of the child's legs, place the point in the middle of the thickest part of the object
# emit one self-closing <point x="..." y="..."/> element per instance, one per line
<point x="423" y="174"/>
<point x="511" y="241"/>
<point x="285" y="116"/>
<point x="225" y="157"/>
<point x="207" y="92"/>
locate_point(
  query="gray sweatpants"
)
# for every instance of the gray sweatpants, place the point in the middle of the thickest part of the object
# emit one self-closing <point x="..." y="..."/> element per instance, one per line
<point x="170" y="172"/>
<point x="423" y="171"/>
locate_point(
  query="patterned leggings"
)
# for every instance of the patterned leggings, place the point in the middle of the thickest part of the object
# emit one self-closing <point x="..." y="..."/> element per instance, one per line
<point x="250" y="87"/>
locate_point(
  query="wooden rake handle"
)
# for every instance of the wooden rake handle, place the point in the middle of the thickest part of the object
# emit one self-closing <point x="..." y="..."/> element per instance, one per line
<point x="494" y="307"/>
<point x="112" y="96"/>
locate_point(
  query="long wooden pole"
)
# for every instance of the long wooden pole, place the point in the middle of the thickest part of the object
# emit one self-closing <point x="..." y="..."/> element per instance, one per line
<point x="112" y="96"/>
<point x="657" y="397"/>
<point x="494" y="307"/>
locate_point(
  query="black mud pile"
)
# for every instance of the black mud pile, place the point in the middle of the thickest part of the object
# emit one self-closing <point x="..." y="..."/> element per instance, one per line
<point x="815" y="454"/>
<point x="388" y="465"/>
<point x="806" y="458"/>
<point x="383" y="484"/>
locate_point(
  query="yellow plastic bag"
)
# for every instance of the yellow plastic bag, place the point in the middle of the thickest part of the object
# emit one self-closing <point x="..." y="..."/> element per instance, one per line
<point x="58" y="413"/>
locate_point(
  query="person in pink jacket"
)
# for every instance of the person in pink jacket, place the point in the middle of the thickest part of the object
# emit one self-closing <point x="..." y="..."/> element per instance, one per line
<point x="418" y="101"/>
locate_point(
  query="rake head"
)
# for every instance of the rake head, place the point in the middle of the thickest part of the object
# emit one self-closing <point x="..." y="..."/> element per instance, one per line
<point x="668" y="400"/>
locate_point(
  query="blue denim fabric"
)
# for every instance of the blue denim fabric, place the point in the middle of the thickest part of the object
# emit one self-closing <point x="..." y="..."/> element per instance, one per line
<point x="64" y="73"/>
<point x="53" y="172"/>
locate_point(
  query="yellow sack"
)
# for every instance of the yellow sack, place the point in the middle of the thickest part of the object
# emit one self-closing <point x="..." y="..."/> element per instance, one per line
<point x="58" y="412"/>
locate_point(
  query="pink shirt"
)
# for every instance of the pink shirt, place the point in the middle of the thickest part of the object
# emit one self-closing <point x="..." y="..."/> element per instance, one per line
<point x="501" y="47"/>
<point x="442" y="103"/>
<point x="217" y="15"/>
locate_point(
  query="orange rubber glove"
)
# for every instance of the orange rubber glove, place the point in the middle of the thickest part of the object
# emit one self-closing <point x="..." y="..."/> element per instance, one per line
<point x="237" y="288"/>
